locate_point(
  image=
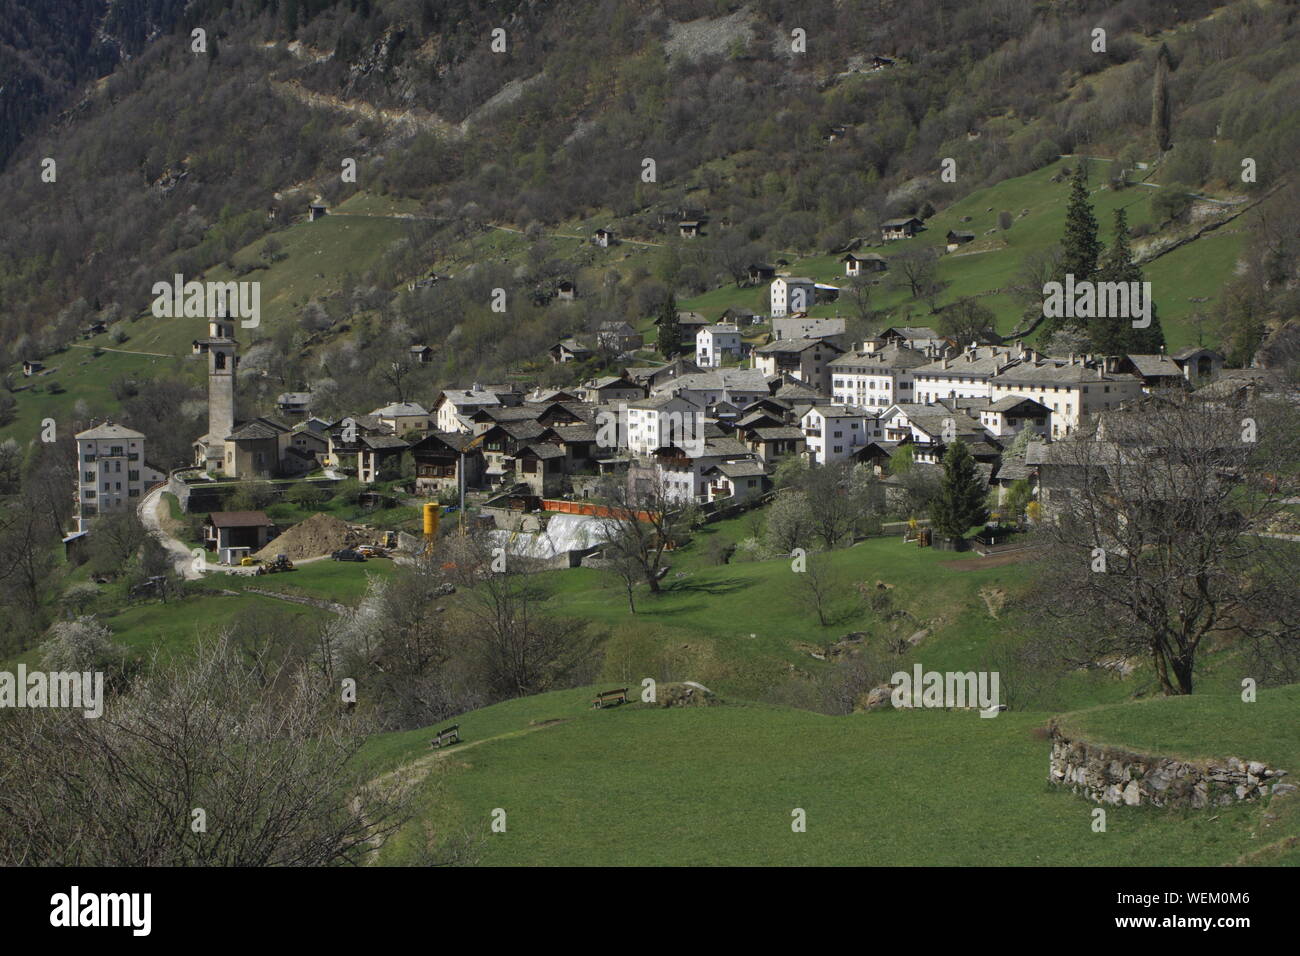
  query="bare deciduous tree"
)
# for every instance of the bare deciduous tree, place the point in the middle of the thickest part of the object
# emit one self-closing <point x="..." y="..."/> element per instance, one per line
<point x="644" y="520"/>
<point x="1159" y="536"/>
<point x="201" y="763"/>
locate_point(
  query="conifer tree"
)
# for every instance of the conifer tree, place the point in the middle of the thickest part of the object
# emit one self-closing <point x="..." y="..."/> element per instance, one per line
<point x="670" y="329"/>
<point x="1115" y="335"/>
<point x="960" y="502"/>
<point x="1160" y="101"/>
<point x="1080" y="247"/>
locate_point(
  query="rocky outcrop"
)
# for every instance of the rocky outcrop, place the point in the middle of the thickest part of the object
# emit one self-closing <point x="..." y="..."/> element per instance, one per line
<point x="684" y="694"/>
<point x="1112" y="775"/>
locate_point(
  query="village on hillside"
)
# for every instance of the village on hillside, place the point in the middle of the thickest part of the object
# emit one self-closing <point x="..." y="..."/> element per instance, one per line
<point x="709" y="428"/>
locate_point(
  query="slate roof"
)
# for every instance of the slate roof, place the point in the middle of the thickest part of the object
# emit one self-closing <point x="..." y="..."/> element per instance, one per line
<point x="742" y="469"/>
<point x="456" y="441"/>
<point x="254" y="430"/>
<point x="400" y="409"/>
<point x="881" y="360"/>
<point x="109" y="430"/>
<point x="801" y="344"/>
<point x="983" y="362"/>
<point x="1008" y="402"/>
<point x="383" y="442"/>
<point x="741" y="379"/>
<point x="1051" y="374"/>
<point x="240" y="519"/>
<point x="777" y="432"/>
<point x="543" y="450"/>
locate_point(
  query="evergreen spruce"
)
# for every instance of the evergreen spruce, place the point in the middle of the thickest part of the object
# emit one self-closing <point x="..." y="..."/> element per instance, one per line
<point x="670" y="329"/>
<point x="1115" y="335"/>
<point x="1080" y="247"/>
<point x="960" y="502"/>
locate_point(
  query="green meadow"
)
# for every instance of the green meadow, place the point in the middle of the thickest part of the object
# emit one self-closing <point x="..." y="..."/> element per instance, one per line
<point x="643" y="785"/>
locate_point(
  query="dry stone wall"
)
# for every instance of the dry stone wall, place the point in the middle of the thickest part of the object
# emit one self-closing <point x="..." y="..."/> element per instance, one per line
<point x="1112" y="775"/>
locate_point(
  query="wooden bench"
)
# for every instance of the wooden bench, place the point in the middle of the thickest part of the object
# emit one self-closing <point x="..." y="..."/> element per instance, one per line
<point x="610" y="697"/>
<point x="446" y="737"/>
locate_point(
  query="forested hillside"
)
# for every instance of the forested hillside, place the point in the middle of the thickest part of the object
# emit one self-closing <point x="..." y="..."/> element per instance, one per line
<point x="773" y="124"/>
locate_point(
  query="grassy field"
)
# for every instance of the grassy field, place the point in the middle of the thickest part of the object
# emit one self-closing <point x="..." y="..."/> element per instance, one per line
<point x="343" y="582"/>
<point x="172" y="628"/>
<point x="1201" y="726"/>
<point x="746" y="627"/>
<point x="692" y="786"/>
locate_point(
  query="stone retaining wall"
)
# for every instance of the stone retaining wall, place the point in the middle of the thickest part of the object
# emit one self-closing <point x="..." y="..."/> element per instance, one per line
<point x="1112" y="775"/>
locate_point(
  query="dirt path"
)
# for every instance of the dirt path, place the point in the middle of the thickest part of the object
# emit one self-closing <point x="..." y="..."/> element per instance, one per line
<point x="409" y="774"/>
<point x="105" y="348"/>
<point x="994" y="561"/>
<point x="427" y="761"/>
<point x="418" y="120"/>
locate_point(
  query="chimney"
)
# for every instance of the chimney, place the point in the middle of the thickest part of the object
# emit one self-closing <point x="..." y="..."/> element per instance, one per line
<point x="1071" y="358"/>
<point x="945" y="361"/>
<point x="1101" y="373"/>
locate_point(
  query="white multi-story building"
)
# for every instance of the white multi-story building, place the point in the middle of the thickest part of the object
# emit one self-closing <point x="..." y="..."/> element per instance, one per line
<point x="693" y="475"/>
<point x="112" y="474"/>
<point x="835" y="432"/>
<point x="454" y="405"/>
<point x="663" y="421"/>
<point x="715" y="343"/>
<point x="792" y="294"/>
<point x="1072" y="390"/>
<point x="875" y="378"/>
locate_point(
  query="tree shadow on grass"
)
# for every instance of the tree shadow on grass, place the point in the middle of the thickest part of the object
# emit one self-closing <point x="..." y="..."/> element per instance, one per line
<point x="713" y="587"/>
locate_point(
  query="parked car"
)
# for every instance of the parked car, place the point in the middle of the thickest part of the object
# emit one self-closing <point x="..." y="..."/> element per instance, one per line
<point x="347" y="554"/>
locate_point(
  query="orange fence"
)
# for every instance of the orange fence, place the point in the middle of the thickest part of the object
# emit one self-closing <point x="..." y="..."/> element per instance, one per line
<point x="586" y="508"/>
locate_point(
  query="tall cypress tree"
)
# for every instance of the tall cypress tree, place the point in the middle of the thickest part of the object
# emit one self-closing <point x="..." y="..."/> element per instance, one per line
<point x="1080" y="247"/>
<point x="670" y="329"/>
<point x="1160" y="101"/>
<point x="960" y="502"/>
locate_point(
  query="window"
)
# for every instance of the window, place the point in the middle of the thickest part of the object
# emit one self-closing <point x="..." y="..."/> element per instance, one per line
<point x="133" y="476"/>
<point x="88" y="458"/>
<point x="133" y="493"/>
<point x="90" y="493"/>
<point x="87" y="476"/>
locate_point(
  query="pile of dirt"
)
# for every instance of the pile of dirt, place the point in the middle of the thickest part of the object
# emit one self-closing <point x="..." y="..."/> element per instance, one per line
<point x="317" y="535"/>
